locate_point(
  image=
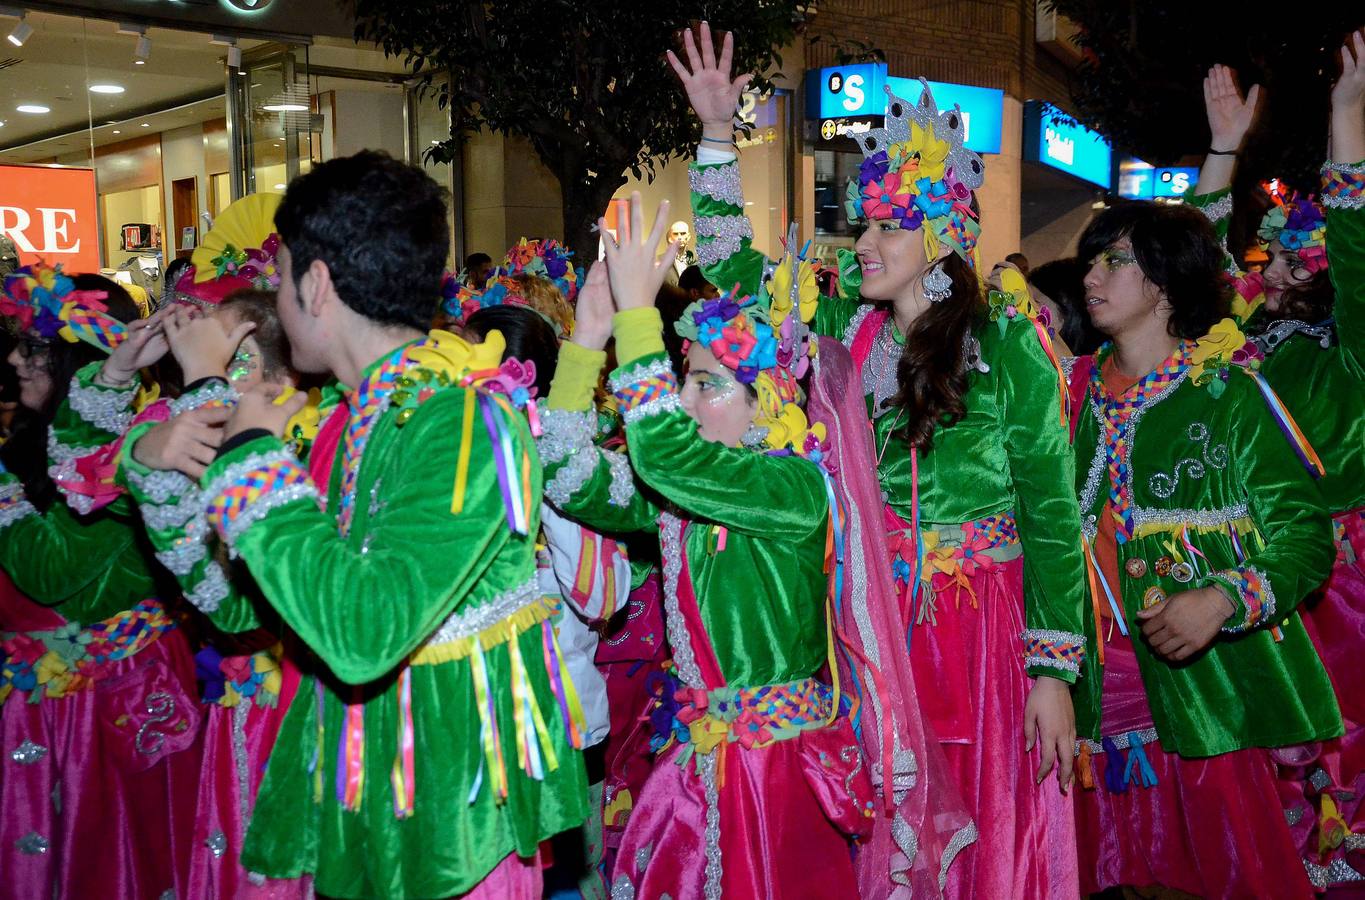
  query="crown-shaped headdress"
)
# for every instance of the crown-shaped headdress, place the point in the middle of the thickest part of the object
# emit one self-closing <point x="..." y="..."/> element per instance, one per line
<point x="238" y="253"/>
<point x="917" y="170"/>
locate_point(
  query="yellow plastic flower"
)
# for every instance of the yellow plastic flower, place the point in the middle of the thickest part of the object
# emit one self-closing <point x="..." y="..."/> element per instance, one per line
<point x="457" y="357"/>
<point x="780" y="289"/>
<point x="303" y="424"/>
<point x="933" y="153"/>
<point x="50" y="666"/>
<point x="1014" y="284"/>
<point x="1218" y="345"/>
<point x="786" y="429"/>
<point x="708" y="733"/>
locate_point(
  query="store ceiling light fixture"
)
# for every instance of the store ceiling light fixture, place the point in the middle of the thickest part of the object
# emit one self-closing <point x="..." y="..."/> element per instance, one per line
<point x="106" y="89"/>
<point x="33" y="109"/>
<point x="22" y="31"/>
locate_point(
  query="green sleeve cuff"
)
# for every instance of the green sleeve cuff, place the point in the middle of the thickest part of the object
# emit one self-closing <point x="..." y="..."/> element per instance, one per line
<point x="576" y="376"/>
<point x="639" y="333"/>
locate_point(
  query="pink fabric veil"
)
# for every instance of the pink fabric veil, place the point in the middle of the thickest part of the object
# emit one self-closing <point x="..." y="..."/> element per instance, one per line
<point x="920" y="823"/>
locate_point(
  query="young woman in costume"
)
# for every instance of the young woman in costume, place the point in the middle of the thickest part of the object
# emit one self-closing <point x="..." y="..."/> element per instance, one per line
<point x="966" y="402"/>
<point x="1204" y="531"/>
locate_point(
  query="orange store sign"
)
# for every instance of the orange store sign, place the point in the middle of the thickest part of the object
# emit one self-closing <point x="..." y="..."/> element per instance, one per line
<point x="51" y="214"/>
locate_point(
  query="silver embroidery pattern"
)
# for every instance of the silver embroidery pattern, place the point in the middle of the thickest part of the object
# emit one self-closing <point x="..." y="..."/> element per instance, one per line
<point x="217" y="843"/>
<point x="622" y="488"/>
<point x="718" y="182"/>
<point x="1090" y="491"/>
<point x="670" y="544"/>
<point x="28" y="753"/>
<point x="105" y="408"/>
<point x="211" y="591"/>
<point x="665" y="404"/>
<point x="1120" y="741"/>
<point x="1218" y="210"/>
<point x="706" y="764"/>
<point x="471" y="620"/>
<point x="564" y="432"/>
<point x="211" y="392"/>
<point x="1337" y="872"/>
<point x="640" y="372"/>
<point x="60" y="453"/>
<point x="159" y="486"/>
<point x="160" y="708"/>
<point x="1163" y="485"/>
<point x="183" y="556"/>
<point x="855" y="325"/>
<point x="1319" y="779"/>
<point x="965" y="837"/>
<point x="725" y="233"/>
<point x="1278" y="332"/>
<point x="566" y="482"/>
<point x="32" y="844"/>
<point x="1054" y="637"/>
<point x="15" y="511"/>
<point x="160" y="517"/>
<point x="879" y="375"/>
<point x="1068" y="366"/>
<point x="1205" y="518"/>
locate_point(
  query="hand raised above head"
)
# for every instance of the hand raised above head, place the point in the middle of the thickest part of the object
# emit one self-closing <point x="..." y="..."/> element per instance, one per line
<point x="635" y="273"/>
<point x="1230" y="114"/>
<point x="710" y="89"/>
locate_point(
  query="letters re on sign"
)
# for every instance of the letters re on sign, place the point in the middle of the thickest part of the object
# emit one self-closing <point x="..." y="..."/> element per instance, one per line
<point x="52" y="215"/>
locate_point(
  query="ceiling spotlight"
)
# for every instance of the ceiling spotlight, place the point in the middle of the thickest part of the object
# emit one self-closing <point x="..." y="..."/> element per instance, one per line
<point x="106" y="89"/>
<point x="286" y="106"/>
<point x="33" y="109"/>
<point x="281" y="187"/>
<point x="116" y="131"/>
<point x="143" y="48"/>
<point x="22" y="32"/>
<point x="234" y="58"/>
<point x="146" y="124"/>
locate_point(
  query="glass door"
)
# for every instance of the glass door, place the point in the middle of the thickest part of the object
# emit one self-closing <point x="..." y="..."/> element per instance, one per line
<point x="271" y="119"/>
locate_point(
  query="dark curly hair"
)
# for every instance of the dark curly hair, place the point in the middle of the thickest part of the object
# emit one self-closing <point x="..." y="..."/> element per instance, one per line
<point x="1063" y="280"/>
<point x="25" y="453"/>
<point x="933" y="373"/>
<point x="258" y="307"/>
<point x="1176" y="248"/>
<point x="380" y="226"/>
<point x="1310" y="302"/>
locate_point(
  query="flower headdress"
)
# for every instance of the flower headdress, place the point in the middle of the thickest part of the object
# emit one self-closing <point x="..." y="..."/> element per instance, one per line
<point x="535" y="274"/>
<point x="767" y="343"/>
<point x="43" y="299"/>
<point x="917" y="170"/>
<point x="237" y="254"/>
<point x="548" y="259"/>
<point x="1300" y="226"/>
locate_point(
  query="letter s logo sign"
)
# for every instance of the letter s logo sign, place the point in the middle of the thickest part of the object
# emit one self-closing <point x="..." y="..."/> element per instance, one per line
<point x="853" y="93"/>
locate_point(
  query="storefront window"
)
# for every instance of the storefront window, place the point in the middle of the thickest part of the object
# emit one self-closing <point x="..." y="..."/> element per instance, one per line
<point x="833" y="169"/>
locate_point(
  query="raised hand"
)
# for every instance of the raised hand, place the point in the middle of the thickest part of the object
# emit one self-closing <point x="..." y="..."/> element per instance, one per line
<point x="1230" y="115"/>
<point x="714" y="95"/>
<point x="592" y="319"/>
<point x="1347" y="144"/>
<point x="144" y="345"/>
<point x="200" y="344"/>
<point x="635" y="273"/>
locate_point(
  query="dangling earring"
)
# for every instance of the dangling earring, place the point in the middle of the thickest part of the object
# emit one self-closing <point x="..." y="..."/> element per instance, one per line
<point x="754" y="437"/>
<point x="938" y="286"/>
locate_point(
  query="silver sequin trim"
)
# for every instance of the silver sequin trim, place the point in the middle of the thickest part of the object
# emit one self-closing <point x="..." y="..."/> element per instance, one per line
<point x="263" y="506"/>
<point x="1344" y="168"/>
<point x="965" y="837"/>
<point x="571" y="476"/>
<point x="1293" y="816"/>
<point x="855" y="324"/>
<point x="639" y="372"/>
<point x="1068" y="365"/>
<point x="622" y="889"/>
<point x="32" y="844"/>
<point x="11" y="514"/>
<point x="1120" y="741"/>
<point x="183" y="556"/>
<point x="1333" y="202"/>
<point x="467" y="622"/>
<point x="665" y="404"/>
<point x="240" y="713"/>
<point x="161" y="517"/>
<point x="1354" y="842"/>
<point x="1172" y="518"/>
<point x="1337" y="872"/>
<point x="1218" y="210"/>
<point x="1267" y="604"/>
<point x="718" y="182"/>
<point x="706" y="765"/>
<point x="1319" y="779"/>
<point x="108" y="409"/>
<point x="725" y="235"/>
<point x="59" y="453"/>
<point x="670" y="545"/>
<point x="28" y="753"/>
<point x="1053" y="637"/>
<point x="159" y="486"/>
<point x="563" y="432"/>
<point x="622" y="488"/>
<point x="1163" y="485"/>
<point x="211" y="591"/>
<point x="242" y="467"/>
<point x="214" y="390"/>
<point x="217" y="843"/>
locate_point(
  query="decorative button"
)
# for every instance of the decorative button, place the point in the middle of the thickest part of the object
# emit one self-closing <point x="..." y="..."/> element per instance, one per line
<point x="1152" y="597"/>
<point x="28" y="753"/>
<point x="1163" y="566"/>
<point x="32" y="844"/>
<point x="1136" y="567"/>
<point x="1182" y="572"/>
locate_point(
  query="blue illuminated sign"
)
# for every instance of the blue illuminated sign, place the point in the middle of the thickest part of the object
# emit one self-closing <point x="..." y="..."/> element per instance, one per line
<point x="1070" y="148"/>
<point x="857" y="90"/>
<point x="1142" y="181"/>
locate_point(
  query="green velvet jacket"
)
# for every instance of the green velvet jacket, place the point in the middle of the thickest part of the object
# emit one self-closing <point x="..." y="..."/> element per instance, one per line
<point x="761" y="586"/>
<point x="92" y="566"/>
<point x="416" y="593"/>
<point x="1008" y="453"/>
<point x="1201" y="469"/>
<point x="1323" y="387"/>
